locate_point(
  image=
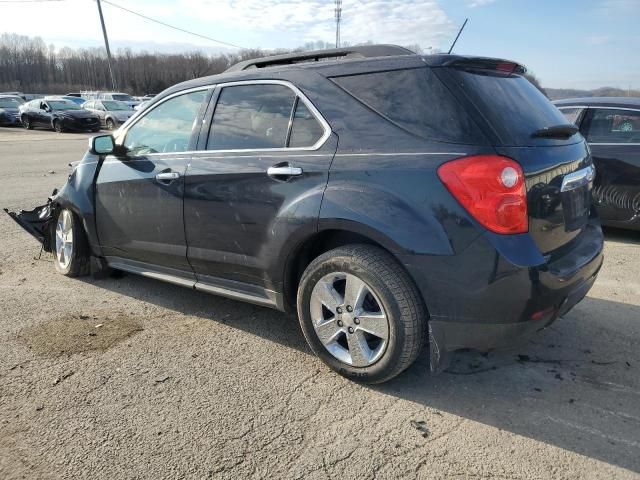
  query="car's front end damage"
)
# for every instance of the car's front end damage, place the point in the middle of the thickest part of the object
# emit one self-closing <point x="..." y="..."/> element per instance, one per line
<point x="77" y="195"/>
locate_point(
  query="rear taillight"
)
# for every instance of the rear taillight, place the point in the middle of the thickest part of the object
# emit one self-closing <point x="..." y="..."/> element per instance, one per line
<point x="491" y="188"/>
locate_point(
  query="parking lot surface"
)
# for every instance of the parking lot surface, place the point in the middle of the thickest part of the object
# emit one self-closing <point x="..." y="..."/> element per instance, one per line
<point x="132" y="378"/>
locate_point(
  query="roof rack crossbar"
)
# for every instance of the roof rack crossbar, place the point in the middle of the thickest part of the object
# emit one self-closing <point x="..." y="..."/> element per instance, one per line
<point x="363" y="51"/>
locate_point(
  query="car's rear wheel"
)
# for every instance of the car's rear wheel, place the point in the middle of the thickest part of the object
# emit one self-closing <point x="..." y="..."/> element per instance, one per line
<point x="110" y="124"/>
<point x="26" y="122"/>
<point x="71" y="247"/>
<point x="361" y="313"/>
<point x="57" y="126"/>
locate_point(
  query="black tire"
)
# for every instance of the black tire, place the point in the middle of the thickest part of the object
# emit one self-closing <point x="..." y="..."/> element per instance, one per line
<point x="26" y="123"/>
<point x="79" y="263"/>
<point x="57" y="126"/>
<point x="400" y="300"/>
<point x="110" y="124"/>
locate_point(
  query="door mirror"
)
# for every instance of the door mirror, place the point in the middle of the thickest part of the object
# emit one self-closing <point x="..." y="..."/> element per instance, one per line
<point x="102" y="145"/>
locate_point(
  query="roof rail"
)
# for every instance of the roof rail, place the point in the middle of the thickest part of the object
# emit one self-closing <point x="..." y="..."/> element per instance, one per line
<point x="363" y="51"/>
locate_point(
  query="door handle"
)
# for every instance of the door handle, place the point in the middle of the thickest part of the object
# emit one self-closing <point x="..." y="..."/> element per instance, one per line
<point x="284" y="171"/>
<point x="167" y="176"/>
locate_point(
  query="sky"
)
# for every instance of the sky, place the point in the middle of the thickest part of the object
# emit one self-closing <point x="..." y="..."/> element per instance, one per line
<point x="581" y="44"/>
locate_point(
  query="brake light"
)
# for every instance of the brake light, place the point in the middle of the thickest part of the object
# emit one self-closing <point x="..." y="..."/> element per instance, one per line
<point x="491" y="188"/>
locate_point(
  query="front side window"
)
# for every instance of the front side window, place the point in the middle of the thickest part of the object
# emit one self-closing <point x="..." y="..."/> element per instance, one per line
<point x="167" y="128"/>
<point x="571" y="114"/>
<point x="614" y="126"/>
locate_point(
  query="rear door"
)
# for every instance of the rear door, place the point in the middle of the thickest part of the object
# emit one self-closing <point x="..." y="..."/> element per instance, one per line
<point x="526" y="127"/>
<point x="257" y="182"/>
<point x="139" y="193"/>
<point x="614" y="137"/>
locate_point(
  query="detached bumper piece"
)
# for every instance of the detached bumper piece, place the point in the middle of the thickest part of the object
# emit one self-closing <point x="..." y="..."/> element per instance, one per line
<point x="37" y="222"/>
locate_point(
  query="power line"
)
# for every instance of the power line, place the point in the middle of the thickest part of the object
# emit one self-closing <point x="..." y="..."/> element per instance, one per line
<point x="171" y="26"/>
<point x="29" y="1"/>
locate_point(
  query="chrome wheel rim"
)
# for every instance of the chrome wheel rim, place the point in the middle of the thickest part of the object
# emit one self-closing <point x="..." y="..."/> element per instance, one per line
<point x="626" y="127"/>
<point x="64" y="239"/>
<point x="349" y="319"/>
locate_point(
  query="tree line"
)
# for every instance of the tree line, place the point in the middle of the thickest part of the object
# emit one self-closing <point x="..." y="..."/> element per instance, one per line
<point x="28" y="65"/>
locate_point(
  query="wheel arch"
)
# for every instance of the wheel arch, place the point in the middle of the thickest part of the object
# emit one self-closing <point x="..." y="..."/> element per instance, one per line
<point x="333" y="235"/>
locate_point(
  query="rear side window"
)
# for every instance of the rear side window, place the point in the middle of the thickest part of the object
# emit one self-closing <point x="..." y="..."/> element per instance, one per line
<point x="613" y="126"/>
<point x="415" y="100"/>
<point x="251" y="117"/>
<point x="305" y="129"/>
<point x="513" y="107"/>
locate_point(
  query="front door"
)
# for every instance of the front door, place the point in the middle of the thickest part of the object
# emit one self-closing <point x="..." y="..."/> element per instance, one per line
<point x="139" y="193"/>
<point x="257" y="182"/>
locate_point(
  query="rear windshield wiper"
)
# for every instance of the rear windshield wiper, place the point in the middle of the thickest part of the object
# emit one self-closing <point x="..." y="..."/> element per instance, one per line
<point x="556" y="131"/>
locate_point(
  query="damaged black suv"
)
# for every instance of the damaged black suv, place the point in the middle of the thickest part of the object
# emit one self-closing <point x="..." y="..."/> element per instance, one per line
<point x="392" y="200"/>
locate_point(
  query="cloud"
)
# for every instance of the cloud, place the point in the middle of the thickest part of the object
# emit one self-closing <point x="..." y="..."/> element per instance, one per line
<point x="412" y="22"/>
<point x="478" y="3"/>
<point x="596" y="40"/>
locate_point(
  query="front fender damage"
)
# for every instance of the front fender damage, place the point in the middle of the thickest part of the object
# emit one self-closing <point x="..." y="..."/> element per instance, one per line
<point x="38" y="222"/>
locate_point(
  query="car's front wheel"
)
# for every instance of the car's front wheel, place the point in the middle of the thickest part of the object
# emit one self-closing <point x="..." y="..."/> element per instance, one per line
<point x="361" y="313"/>
<point x="26" y="122"/>
<point x="71" y="247"/>
<point x="110" y="124"/>
<point x="57" y="126"/>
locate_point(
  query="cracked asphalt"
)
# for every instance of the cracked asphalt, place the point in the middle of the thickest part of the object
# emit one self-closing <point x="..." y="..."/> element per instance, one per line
<point x="130" y="378"/>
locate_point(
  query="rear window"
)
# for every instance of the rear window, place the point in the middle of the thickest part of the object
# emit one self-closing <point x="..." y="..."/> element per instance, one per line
<point x="415" y="100"/>
<point x="511" y="104"/>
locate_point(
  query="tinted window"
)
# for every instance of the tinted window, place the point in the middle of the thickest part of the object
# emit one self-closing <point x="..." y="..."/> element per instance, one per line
<point x="511" y="104"/>
<point x="614" y="126"/>
<point x="415" y="100"/>
<point x="571" y="114"/>
<point x="251" y="117"/>
<point x="166" y="128"/>
<point x="305" y="130"/>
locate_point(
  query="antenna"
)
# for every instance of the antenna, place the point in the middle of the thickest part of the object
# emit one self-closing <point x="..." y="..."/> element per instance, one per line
<point x="457" y="36"/>
<point x="338" y="12"/>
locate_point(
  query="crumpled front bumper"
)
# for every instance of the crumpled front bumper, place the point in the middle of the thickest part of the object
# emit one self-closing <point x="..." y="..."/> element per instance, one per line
<point x="37" y="222"/>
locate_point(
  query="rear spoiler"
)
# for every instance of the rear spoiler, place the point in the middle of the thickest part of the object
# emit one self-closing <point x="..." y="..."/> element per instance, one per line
<point x="499" y="65"/>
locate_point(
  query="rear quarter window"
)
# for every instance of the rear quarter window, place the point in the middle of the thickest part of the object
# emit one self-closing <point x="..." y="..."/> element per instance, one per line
<point x="416" y="101"/>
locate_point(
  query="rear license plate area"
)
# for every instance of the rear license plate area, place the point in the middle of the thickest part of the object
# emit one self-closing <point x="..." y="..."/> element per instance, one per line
<point x="576" y="204"/>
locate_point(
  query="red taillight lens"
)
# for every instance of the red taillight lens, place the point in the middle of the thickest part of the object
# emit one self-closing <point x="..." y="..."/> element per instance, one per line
<point x="491" y="188"/>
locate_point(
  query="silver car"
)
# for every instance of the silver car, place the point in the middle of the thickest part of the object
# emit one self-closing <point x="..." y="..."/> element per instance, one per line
<point x="112" y="113"/>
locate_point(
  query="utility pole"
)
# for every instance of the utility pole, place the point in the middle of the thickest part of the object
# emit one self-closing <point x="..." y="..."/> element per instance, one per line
<point x="106" y="44"/>
<point x="338" y="12"/>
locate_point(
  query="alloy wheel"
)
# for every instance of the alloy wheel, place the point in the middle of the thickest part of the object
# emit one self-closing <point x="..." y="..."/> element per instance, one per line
<point x="64" y="239"/>
<point x="349" y="319"/>
<point x="110" y="124"/>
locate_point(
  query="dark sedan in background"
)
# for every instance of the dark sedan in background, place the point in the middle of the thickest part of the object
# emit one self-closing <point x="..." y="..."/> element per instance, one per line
<point x="611" y="126"/>
<point x="9" y="111"/>
<point x="60" y="115"/>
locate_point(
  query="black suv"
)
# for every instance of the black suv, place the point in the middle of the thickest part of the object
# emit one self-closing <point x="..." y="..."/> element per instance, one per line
<point x="391" y="199"/>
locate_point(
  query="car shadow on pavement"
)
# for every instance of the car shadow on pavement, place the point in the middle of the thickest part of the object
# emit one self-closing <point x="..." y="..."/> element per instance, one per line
<point x="575" y="385"/>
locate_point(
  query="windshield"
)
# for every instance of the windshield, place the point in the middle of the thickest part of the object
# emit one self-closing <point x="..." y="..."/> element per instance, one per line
<point x="9" y="103"/>
<point x="112" y="106"/>
<point x="63" y="105"/>
<point x="123" y="97"/>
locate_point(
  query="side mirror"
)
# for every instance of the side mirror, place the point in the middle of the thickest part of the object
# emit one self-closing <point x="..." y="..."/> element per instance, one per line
<point x="102" y="145"/>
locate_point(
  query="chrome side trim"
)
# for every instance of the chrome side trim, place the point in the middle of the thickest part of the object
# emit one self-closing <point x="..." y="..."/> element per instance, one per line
<point x="236" y="295"/>
<point x="613" y="144"/>
<point x="578" y="179"/>
<point x="139" y="269"/>
<point x="268" y="298"/>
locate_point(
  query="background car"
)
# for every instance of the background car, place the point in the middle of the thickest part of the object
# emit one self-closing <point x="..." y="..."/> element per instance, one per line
<point x="612" y="128"/>
<point x="60" y="115"/>
<point x="117" y="96"/>
<point x="76" y="100"/>
<point x="9" y="110"/>
<point x="112" y="114"/>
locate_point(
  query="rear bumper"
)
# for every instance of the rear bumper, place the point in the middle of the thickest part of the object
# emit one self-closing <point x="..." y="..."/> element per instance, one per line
<point x="494" y="294"/>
